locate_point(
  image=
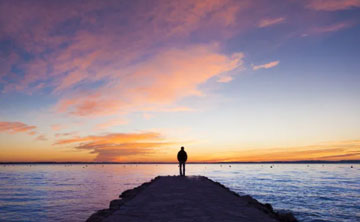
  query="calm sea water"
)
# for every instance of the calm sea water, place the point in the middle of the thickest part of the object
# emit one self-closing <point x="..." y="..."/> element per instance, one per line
<point x="314" y="192"/>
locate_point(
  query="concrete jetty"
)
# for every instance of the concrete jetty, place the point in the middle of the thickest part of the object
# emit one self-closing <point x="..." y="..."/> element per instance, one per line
<point x="182" y="199"/>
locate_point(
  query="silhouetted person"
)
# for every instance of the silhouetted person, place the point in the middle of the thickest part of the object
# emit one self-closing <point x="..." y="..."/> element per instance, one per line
<point x="182" y="157"/>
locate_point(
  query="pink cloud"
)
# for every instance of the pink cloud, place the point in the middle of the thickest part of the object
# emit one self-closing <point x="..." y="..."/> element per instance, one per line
<point x="41" y="138"/>
<point x="16" y="127"/>
<point x="72" y="55"/>
<point x="225" y="78"/>
<point x="95" y="66"/>
<point x="333" y="5"/>
<point x="157" y="82"/>
<point x="270" y="21"/>
<point x="331" y="28"/>
<point x="92" y="56"/>
<point x="266" y="66"/>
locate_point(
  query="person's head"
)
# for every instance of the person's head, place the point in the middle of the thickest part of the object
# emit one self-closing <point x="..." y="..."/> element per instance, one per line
<point x="182" y="148"/>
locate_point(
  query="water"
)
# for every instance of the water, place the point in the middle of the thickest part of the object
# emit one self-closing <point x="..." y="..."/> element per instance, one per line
<point x="314" y="192"/>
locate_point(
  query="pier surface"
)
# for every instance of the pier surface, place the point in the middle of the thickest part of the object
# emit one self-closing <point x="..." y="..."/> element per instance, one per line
<point x="195" y="198"/>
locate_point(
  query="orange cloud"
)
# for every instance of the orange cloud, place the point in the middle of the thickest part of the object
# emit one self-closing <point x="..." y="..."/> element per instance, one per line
<point x="266" y="66"/>
<point x="342" y="150"/>
<point x="118" y="146"/>
<point x="16" y="127"/>
<point x="113" y="122"/>
<point x="56" y="127"/>
<point x="333" y="5"/>
<point x="158" y="82"/>
<point x="31" y="133"/>
<point x="113" y="138"/>
<point x="270" y="21"/>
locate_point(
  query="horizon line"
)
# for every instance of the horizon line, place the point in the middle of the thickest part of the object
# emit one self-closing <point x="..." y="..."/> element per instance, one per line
<point x="197" y="162"/>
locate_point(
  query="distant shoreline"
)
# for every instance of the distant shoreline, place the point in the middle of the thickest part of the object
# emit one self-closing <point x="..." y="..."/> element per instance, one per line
<point x="237" y="162"/>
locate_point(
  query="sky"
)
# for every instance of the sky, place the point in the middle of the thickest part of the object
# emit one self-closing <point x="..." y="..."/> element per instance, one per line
<point x="230" y="80"/>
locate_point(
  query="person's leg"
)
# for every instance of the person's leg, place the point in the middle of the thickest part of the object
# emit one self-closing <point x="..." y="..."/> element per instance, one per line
<point x="180" y="168"/>
<point x="183" y="169"/>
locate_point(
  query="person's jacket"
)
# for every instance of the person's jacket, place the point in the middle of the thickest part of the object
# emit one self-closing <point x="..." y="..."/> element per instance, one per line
<point x="182" y="156"/>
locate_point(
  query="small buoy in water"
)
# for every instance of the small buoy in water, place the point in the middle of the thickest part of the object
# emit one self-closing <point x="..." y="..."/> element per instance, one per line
<point x="270" y="166"/>
<point x="351" y="167"/>
<point x="229" y="165"/>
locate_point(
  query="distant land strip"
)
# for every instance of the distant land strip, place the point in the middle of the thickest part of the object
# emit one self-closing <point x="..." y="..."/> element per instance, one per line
<point x="233" y="162"/>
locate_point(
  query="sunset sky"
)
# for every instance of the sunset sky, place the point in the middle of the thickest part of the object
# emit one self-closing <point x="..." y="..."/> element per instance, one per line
<point x="241" y="80"/>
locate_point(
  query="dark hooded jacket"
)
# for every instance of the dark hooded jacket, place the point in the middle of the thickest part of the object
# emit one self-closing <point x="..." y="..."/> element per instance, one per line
<point x="182" y="156"/>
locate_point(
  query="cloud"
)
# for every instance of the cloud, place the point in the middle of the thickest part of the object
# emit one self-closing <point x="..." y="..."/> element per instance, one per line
<point x="56" y="127"/>
<point x="225" y="79"/>
<point x="270" y="21"/>
<point x="95" y="66"/>
<point x="16" y="127"/>
<point x="41" y="138"/>
<point x="99" y="58"/>
<point x="118" y="146"/>
<point x="332" y="27"/>
<point x="112" y="122"/>
<point x="71" y="43"/>
<point x="31" y="133"/>
<point x="65" y="134"/>
<point x="158" y="82"/>
<point x="333" y="5"/>
<point x="266" y="66"/>
<point x="318" y="30"/>
<point x="342" y="156"/>
<point x="339" y="150"/>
